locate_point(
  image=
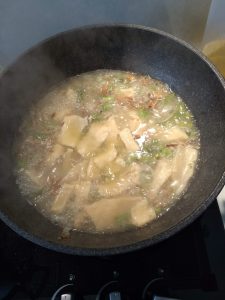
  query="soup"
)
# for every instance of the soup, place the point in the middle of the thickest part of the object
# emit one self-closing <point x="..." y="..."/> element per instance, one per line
<point x="106" y="151"/>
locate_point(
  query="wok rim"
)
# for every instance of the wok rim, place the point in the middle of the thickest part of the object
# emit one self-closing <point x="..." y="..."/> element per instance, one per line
<point x="158" y="237"/>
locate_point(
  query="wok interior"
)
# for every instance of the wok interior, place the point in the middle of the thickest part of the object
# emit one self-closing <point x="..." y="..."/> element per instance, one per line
<point x="121" y="48"/>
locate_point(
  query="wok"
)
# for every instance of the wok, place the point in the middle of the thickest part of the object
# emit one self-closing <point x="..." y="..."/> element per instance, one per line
<point x="123" y="47"/>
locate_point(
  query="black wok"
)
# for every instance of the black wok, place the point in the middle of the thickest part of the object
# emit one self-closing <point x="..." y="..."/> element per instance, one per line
<point x="132" y="48"/>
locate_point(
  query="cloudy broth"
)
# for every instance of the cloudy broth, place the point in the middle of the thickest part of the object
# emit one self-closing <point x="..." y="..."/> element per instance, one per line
<point x="107" y="151"/>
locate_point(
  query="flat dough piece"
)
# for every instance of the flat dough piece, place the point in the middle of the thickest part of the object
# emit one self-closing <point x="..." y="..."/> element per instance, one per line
<point x="183" y="167"/>
<point x="71" y="130"/>
<point x="92" y="170"/>
<point x="174" y="134"/>
<point x="113" y="129"/>
<point x="128" y="140"/>
<point x="134" y="121"/>
<point x="62" y="198"/>
<point x="161" y="173"/>
<point x="56" y="152"/>
<point x="108" y="155"/>
<point x="142" y="213"/>
<point x="77" y="171"/>
<point x="94" y="138"/>
<point x="104" y="212"/>
<point x="82" y="190"/>
<point x="129" y="178"/>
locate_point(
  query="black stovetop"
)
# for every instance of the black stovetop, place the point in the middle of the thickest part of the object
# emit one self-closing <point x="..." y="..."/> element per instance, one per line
<point x="183" y="262"/>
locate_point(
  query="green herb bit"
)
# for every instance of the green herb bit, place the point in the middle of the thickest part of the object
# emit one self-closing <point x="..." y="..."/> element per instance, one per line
<point x="80" y="95"/>
<point x="158" y="150"/>
<point x="146" y="158"/>
<point x="183" y="112"/>
<point x="40" y="136"/>
<point x="123" y="220"/>
<point x="192" y="133"/>
<point x="132" y="157"/>
<point x="142" y="158"/>
<point x="107" y="103"/>
<point x="106" y="106"/>
<point x="158" y="210"/>
<point x="107" y="99"/>
<point x="166" y="152"/>
<point x="170" y="98"/>
<point x="153" y="145"/>
<point x="143" y="113"/>
<point x="96" y="117"/>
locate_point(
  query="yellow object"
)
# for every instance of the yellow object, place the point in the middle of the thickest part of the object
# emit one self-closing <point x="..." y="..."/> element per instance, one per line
<point x="215" y="51"/>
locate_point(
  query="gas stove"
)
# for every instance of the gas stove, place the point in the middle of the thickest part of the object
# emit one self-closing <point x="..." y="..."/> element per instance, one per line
<point x="192" y="261"/>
